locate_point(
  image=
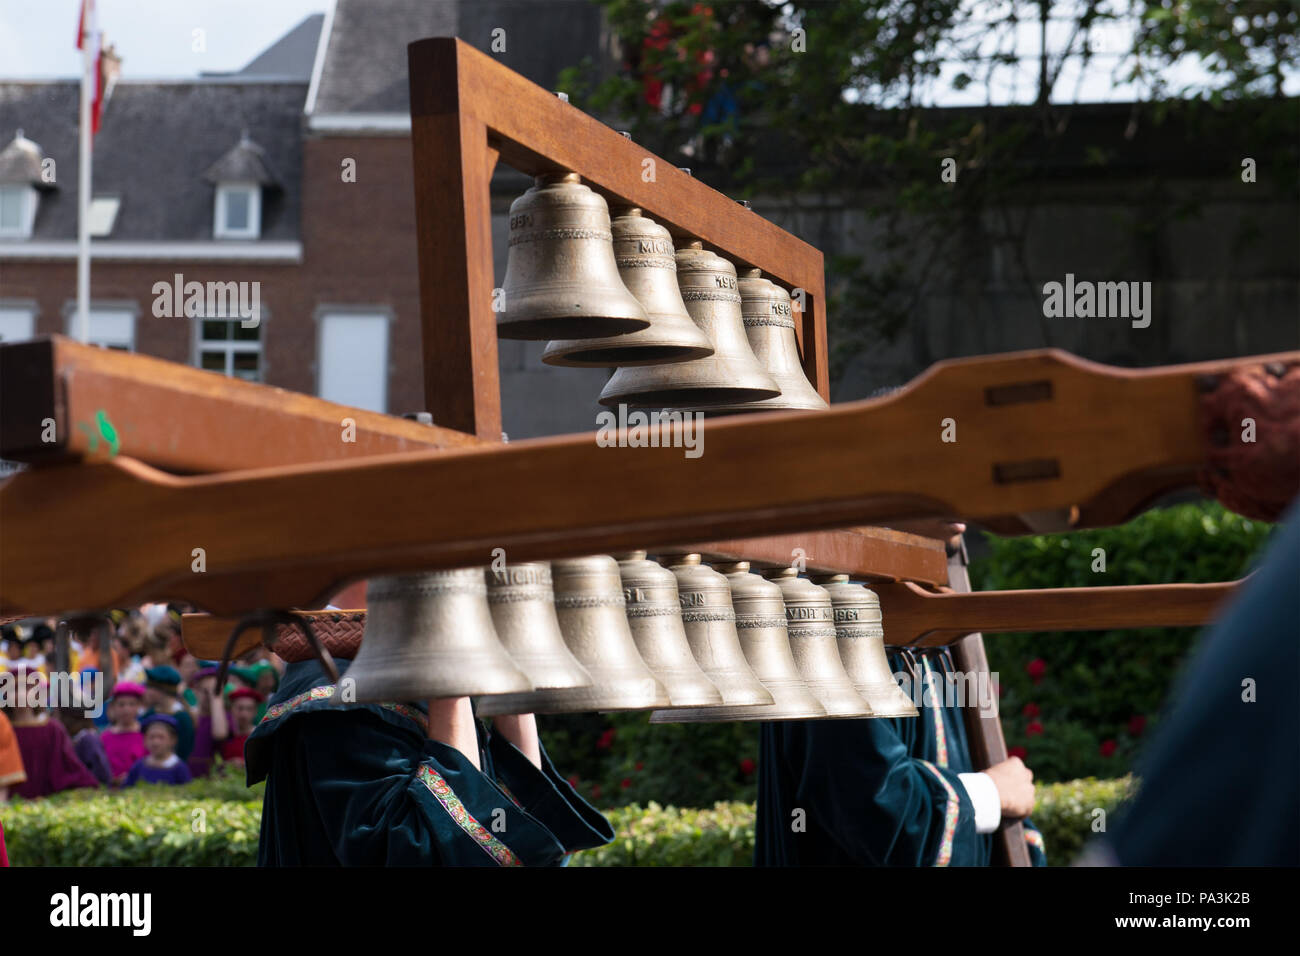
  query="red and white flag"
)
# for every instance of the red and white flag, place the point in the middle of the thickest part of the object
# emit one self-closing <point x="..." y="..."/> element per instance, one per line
<point x="106" y="62"/>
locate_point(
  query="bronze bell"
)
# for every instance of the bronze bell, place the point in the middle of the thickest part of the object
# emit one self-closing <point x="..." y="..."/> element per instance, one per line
<point x="760" y="623"/>
<point x="561" y="280"/>
<point x="431" y="636"/>
<point x="810" y="623"/>
<point x="731" y="374"/>
<point x="647" y="265"/>
<point x="861" y="637"/>
<point x="655" y="618"/>
<point x="523" y="612"/>
<point x="590" y="608"/>
<point x="769" y="324"/>
<point x="710" y="622"/>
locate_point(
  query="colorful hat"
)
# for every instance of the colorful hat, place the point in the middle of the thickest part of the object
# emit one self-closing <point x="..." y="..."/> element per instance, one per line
<point x="167" y="719"/>
<point x="163" y="678"/>
<point x="241" y="692"/>
<point x="127" y="689"/>
<point x="203" y="672"/>
<point x="262" y="667"/>
<point x="246" y="674"/>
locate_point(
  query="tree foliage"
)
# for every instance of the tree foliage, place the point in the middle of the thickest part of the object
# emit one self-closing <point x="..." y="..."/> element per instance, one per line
<point x="809" y="99"/>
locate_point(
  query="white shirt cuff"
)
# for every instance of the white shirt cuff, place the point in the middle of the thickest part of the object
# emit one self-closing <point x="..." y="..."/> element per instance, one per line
<point x="983" y="793"/>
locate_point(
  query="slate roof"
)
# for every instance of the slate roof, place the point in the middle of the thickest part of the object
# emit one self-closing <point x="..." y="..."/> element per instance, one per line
<point x="245" y="162"/>
<point x="155" y="144"/>
<point x="291" y="56"/>
<point x="364" y="70"/>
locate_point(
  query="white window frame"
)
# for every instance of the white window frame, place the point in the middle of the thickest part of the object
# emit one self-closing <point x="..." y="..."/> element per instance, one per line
<point x="103" y="215"/>
<point x="106" y="310"/>
<point x="326" y="312"/>
<point x="11" y="314"/>
<point x="220" y="229"/>
<point x="27" y="216"/>
<point x="230" y="347"/>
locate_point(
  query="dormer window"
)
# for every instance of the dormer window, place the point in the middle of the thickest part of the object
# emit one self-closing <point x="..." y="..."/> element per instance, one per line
<point x="239" y="211"/>
<point x="103" y="214"/>
<point x="17" y="211"/>
<point x="241" y="177"/>
<point x="20" y="179"/>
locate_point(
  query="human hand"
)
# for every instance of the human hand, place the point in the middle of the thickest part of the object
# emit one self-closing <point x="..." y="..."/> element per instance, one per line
<point x="1015" y="783"/>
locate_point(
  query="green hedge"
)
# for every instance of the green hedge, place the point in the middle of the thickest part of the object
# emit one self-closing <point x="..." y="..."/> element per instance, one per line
<point x="148" y="825"/>
<point x="1081" y="703"/>
<point x="1067" y="813"/>
<point x="671" y="836"/>
<point x="163" y="826"/>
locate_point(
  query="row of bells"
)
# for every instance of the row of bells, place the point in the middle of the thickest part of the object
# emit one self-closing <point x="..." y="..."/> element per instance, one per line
<point x="688" y="641"/>
<point x="680" y="327"/>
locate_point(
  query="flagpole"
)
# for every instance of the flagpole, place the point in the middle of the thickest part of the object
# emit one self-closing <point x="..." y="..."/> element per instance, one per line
<point x="82" y="326"/>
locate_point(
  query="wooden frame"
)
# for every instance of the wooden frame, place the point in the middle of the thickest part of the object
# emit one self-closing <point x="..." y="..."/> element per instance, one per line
<point x="467" y="112"/>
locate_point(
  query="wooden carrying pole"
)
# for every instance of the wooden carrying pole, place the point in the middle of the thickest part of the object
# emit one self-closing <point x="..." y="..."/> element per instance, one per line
<point x="289" y="536"/>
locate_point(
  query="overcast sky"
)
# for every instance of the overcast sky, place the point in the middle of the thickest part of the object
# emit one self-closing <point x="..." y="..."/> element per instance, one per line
<point x="153" y="37"/>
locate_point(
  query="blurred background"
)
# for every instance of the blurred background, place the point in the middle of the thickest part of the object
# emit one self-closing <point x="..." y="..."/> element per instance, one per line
<point x="949" y="157"/>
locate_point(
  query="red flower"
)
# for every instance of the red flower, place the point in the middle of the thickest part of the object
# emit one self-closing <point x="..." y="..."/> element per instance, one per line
<point x="1107" y="748"/>
<point x="1036" y="669"/>
<point x="640" y="765"/>
<point x="595" y="791"/>
<point x="1031" y="710"/>
<point x="604" y="740"/>
<point x="1020" y="752"/>
<point x="1033" y="729"/>
<point x="573" y="781"/>
<point x="747" y="766"/>
<point x="1136" y="724"/>
<point x="627" y="782"/>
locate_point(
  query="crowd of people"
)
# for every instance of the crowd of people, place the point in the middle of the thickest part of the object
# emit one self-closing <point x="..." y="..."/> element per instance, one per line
<point x="164" y="720"/>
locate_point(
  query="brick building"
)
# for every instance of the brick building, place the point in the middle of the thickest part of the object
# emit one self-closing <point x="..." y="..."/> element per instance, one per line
<point x="293" y="173"/>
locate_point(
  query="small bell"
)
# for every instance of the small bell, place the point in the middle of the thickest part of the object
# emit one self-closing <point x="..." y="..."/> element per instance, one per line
<point x="592" y="614"/>
<point x="760" y="623"/>
<point x="655" y="617"/>
<point x="647" y="265"/>
<point x="731" y="374"/>
<point x="431" y="636"/>
<point x="810" y="622"/>
<point x="710" y="622"/>
<point x="860" y="634"/>
<point x="522" y="603"/>
<point x="561" y="279"/>
<point x="769" y="325"/>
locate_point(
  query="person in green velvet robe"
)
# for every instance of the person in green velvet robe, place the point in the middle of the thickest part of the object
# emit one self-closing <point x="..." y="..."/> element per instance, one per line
<point x="366" y="785"/>
<point x="880" y="791"/>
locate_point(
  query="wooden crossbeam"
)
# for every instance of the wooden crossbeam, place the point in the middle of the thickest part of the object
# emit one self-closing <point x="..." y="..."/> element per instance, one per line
<point x="869" y="553"/>
<point x="918" y="617"/>
<point x="98" y="403"/>
<point x="287" y="537"/>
